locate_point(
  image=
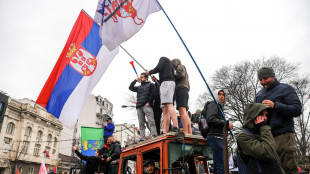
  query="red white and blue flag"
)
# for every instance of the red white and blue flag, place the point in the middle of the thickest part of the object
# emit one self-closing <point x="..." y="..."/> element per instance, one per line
<point x="16" y="170"/>
<point x="46" y="154"/>
<point x="80" y="66"/>
<point x="42" y="168"/>
<point x="54" y="170"/>
<point x="121" y="19"/>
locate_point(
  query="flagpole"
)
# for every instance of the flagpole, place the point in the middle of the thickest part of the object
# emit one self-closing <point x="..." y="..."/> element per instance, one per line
<point x="137" y="62"/>
<point x="132" y="57"/>
<point x="195" y="65"/>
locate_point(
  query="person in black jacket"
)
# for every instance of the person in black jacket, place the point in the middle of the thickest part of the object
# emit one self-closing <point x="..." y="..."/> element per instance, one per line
<point x="92" y="162"/>
<point x="167" y="88"/>
<point x="156" y="106"/>
<point x="112" y="151"/>
<point x="285" y="104"/>
<point x="146" y="94"/>
<point x="216" y="123"/>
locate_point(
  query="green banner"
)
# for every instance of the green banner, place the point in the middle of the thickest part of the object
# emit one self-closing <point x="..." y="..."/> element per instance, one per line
<point x="91" y="139"/>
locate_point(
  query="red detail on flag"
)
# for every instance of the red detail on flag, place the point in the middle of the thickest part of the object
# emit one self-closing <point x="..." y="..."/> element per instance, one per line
<point x="46" y="154"/>
<point x="126" y="10"/>
<point x="83" y="61"/>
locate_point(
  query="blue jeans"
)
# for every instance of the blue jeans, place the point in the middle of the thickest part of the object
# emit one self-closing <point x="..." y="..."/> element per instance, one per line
<point x="216" y="145"/>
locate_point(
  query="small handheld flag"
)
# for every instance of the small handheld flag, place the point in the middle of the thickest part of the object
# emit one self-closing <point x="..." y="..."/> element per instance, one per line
<point x="46" y="154"/>
<point x="54" y="169"/>
<point x="133" y="66"/>
<point x="42" y="168"/>
<point x="16" y="170"/>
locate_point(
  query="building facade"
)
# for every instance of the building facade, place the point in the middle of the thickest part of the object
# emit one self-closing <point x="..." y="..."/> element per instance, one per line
<point x="27" y="130"/>
<point x="126" y="134"/>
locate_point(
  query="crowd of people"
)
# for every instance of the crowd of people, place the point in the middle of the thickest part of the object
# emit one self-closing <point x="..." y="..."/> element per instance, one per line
<point x="269" y="118"/>
<point x="266" y="143"/>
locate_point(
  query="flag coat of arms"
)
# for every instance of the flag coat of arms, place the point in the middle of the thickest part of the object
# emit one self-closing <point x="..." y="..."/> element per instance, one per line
<point x="121" y="19"/>
<point x="79" y="68"/>
<point x="91" y="140"/>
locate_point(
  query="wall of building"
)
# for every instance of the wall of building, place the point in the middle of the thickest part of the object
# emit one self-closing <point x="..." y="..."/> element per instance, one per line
<point x="23" y="147"/>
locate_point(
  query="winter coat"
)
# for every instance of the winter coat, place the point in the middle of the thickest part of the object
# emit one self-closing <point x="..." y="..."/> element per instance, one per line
<point x="165" y="70"/>
<point x="286" y="106"/>
<point x="180" y="76"/>
<point x="109" y="129"/>
<point x="92" y="163"/>
<point x="146" y="93"/>
<point x="263" y="147"/>
<point x="114" y="151"/>
<point x="214" y="117"/>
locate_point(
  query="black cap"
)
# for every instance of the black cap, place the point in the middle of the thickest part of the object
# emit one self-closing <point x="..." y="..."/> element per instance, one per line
<point x="109" y="118"/>
<point x="148" y="161"/>
<point x="265" y="72"/>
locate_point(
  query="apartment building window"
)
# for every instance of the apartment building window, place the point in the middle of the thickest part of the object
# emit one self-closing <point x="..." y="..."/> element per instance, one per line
<point x="28" y="132"/>
<point x="49" y="138"/>
<point x="55" y="142"/>
<point x="10" y="128"/>
<point x="7" y="142"/>
<point x="25" y="147"/>
<point x="39" y="136"/>
<point x="36" y="149"/>
<point x="30" y="170"/>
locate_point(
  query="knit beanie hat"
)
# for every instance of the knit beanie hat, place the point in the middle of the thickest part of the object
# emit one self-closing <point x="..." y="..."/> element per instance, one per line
<point x="265" y="72"/>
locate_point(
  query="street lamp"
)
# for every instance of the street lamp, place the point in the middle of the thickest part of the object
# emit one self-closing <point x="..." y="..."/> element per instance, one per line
<point x="125" y="106"/>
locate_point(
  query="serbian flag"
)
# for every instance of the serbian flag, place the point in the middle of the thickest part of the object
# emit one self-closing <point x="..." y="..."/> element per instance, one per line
<point x="16" y="170"/>
<point x="54" y="169"/>
<point x="42" y="168"/>
<point x="46" y="154"/>
<point x="121" y="19"/>
<point x="79" y="68"/>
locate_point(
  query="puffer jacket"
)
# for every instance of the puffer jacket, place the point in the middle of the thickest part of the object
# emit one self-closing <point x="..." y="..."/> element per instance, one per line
<point x="181" y="76"/>
<point x="214" y="117"/>
<point x="286" y="106"/>
<point x="263" y="147"/>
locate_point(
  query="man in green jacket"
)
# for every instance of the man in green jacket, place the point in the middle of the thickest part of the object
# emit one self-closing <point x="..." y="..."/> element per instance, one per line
<point x="258" y="153"/>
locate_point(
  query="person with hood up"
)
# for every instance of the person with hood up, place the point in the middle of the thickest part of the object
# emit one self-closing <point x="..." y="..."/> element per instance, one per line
<point x="181" y="94"/>
<point x="216" y="123"/>
<point x="258" y="151"/>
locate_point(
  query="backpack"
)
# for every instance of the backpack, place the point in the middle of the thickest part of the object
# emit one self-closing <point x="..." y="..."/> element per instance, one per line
<point x="203" y="124"/>
<point x="242" y="168"/>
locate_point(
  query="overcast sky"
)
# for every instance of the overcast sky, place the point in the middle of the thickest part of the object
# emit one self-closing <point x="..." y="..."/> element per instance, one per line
<point x="217" y="32"/>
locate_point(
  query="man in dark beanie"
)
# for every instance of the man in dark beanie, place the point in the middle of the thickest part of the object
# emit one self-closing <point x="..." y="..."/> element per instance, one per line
<point x="285" y="104"/>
